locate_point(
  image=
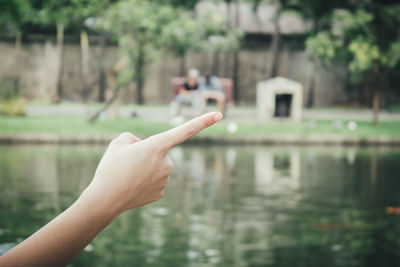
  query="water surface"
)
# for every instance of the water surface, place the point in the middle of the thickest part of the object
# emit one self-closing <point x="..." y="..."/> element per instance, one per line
<point x="224" y="206"/>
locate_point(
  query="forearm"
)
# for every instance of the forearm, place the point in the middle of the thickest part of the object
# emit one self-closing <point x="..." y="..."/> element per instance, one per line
<point x="132" y="173"/>
<point x="57" y="243"/>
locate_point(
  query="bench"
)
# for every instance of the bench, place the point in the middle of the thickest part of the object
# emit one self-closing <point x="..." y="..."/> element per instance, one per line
<point x="226" y="83"/>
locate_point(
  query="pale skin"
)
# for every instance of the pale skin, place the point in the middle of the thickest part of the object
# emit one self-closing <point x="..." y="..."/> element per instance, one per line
<point x="132" y="173"/>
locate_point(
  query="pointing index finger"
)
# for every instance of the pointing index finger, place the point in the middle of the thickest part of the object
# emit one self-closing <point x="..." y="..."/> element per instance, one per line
<point x="179" y="134"/>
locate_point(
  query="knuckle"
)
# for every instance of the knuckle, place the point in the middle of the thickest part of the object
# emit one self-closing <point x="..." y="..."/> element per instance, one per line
<point x="169" y="167"/>
<point x="160" y="195"/>
<point x="113" y="141"/>
<point x="155" y="144"/>
<point x="121" y="137"/>
<point x="165" y="182"/>
<point x="152" y="145"/>
<point x="162" y="148"/>
<point x="126" y="135"/>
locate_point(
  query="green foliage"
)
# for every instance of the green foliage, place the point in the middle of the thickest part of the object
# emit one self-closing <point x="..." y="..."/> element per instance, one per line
<point x="13" y="107"/>
<point x="138" y="27"/>
<point x="84" y="9"/>
<point x="355" y="30"/>
<point x="183" y="34"/>
<point x="14" y="13"/>
<point x="364" y="43"/>
<point x="6" y="89"/>
<point x="144" y="29"/>
<point x="125" y="76"/>
<point x="212" y="21"/>
<point x="322" y="46"/>
<point x="364" y="55"/>
<point x="393" y="55"/>
<point x="72" y="13"/>
<point x="54" y="11"/>
<point x="140" y="19"/>
<point x="358" y="34"/>
<point x="208" y="31"/>
<point x="219" y="37"/>
<point x="187" y="4"/>
<point x="319" y="12"/>
<point x="352" y="24"/>
<point x="230" y="41"/>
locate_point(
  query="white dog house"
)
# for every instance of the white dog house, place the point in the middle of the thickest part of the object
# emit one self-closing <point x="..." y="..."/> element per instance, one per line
<point x="279" y="98"/>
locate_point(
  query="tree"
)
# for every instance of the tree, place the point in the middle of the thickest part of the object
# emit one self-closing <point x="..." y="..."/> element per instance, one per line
<point x="182" y="35"/>
<point x="218" y="35"/>
<point x="57" y="12"/>
<point x="187" y="4"/>
<point x="322" y="50"/>
<point x="138" y="26"/>
<point x="281" y="6"/>
<point x="207" y="31"/>
<point x="227" y="42"/>
<point x="13" y="15"/>
<point x="320" y="15"/>
<point x="371" y="41"/>
<point x="84" y="18"/>
<point x="236" y="56"/>
<point x="145" y="28"/>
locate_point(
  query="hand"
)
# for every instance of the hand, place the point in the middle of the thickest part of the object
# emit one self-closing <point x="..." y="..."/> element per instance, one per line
<point x="134" y="172"/>
<point x="131" y="173"/>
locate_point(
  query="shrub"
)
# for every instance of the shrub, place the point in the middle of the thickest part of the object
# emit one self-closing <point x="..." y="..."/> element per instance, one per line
<point x="6" y="89"/>
<point x="13" y="107"/>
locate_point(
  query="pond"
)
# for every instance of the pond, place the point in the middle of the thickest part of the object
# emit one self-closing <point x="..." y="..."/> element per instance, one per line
<point x="224" y="206"/>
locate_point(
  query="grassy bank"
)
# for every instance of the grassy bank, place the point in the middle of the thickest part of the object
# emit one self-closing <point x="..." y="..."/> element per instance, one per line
<point x="77" y="125"/>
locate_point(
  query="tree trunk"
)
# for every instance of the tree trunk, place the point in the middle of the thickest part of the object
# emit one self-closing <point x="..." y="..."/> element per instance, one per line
<point x="182" y="66"/>
<point x="375" y="107"/>
<point x="380" y="79"/>
<point x="17" y="73"/>
<point x="139" y="75"/>
<point x="85" y="65"/>
<point x="215" y="64"/>
<point x="236" y="59"/>
<point x="105" y="106"/>
<point x="311" y="87"/>
<point x="273" y="67"/>
<point x="227" y="54"/>
<point x="112" y="102"/>
<point x="60" y="52"/>
<point x="226" y="64"/>
<point x="113" y="107"/>
<point x="102" y="71"/>
<point x="102" y="84"/>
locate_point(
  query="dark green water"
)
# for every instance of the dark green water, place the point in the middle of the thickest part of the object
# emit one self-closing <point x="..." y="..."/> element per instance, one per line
<point x="224" y="206"/>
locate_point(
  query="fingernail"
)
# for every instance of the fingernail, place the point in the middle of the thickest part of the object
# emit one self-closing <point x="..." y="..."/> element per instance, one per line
<point x="218" y="117"/>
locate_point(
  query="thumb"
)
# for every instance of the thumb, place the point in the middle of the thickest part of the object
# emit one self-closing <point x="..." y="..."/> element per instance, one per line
<point x="124" y="139"/>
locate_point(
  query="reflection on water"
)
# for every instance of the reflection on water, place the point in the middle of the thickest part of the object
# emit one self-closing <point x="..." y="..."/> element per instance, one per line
<point x="224" y="206"/>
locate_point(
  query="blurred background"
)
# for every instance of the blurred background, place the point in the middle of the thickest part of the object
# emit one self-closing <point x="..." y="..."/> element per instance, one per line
<point x="344" y="53"/>
<point x="302" y="171"/>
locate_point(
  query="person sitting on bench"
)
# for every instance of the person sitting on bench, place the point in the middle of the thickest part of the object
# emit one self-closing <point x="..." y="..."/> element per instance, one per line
<point x="189" y="94"/>
<point x="211" y="88"/>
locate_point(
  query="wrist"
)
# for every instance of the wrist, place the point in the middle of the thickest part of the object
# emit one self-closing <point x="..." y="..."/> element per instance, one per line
<point x="99" y="205"/>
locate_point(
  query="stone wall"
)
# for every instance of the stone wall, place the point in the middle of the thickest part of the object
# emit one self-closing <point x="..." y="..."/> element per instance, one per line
<point x="39" y="71"/>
